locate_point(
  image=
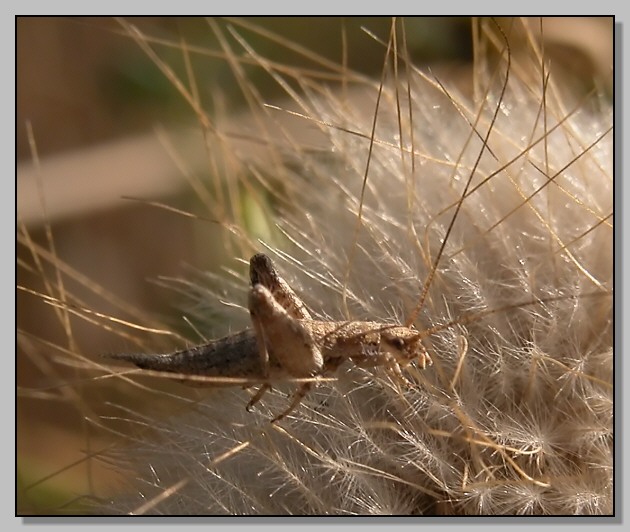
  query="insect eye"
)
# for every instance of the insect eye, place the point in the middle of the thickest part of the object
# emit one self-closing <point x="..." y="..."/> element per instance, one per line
<point x="398" y="342"/>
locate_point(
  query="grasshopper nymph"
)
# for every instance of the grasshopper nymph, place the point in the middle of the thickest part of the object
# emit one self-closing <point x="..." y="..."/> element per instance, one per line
<point x="285" y="341"/>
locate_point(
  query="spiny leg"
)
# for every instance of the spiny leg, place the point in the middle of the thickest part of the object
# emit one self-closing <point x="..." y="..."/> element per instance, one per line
<point x="257" y="396"/>
<point x="387" y="363"/>
<point x="394" y="369"/>
<point x="298" y="395"/>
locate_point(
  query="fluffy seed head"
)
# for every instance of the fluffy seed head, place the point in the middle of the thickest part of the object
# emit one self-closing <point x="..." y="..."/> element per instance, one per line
<point x="481" y="219"/>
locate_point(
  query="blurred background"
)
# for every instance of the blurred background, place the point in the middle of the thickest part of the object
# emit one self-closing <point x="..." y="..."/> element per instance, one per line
<point x="99" y="122"/>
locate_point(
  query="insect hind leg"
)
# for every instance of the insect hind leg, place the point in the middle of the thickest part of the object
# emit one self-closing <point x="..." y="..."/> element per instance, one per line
<point x="263" y="272"/>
